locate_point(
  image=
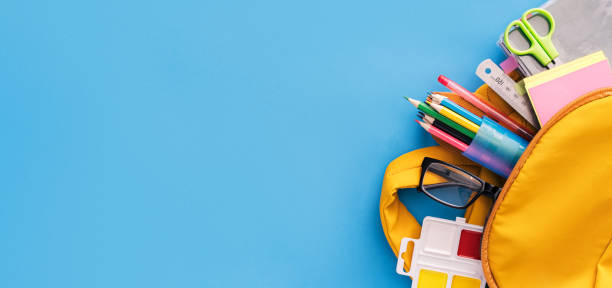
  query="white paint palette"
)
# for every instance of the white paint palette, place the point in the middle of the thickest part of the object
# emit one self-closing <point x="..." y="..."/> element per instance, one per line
<point x="446" y="256"/>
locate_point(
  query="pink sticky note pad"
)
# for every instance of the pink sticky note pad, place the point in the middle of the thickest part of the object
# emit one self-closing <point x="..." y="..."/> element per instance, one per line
<point x="551" y="96"/>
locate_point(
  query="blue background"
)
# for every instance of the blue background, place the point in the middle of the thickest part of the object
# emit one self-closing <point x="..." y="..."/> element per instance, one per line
<point x="218" y="143"/>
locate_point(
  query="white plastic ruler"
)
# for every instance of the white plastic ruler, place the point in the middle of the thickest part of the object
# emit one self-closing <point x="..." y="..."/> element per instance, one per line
<point x="504" y="86"/>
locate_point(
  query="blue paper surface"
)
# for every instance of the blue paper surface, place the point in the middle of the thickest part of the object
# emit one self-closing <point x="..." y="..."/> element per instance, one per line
<point x="217" y="143"/>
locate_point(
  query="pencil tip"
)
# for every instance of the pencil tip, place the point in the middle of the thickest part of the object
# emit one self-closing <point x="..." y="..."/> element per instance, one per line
<point x="435" y="106"/>
<point x="437" y="98"/>
<point x="424" y="125"/>
<point x="414" y="102"/>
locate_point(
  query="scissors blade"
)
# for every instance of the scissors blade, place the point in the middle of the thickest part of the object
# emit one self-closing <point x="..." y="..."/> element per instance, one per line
<point x="555" y="63"/>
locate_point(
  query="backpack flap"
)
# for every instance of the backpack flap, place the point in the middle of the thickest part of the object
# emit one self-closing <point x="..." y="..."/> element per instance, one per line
<point x="552" y="223"/>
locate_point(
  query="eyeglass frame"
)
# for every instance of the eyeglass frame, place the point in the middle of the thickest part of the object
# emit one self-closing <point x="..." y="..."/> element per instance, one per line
<point x="485" y="189"/>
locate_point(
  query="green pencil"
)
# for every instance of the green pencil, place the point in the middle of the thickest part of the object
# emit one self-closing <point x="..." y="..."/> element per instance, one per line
<point x="433" y="113"/>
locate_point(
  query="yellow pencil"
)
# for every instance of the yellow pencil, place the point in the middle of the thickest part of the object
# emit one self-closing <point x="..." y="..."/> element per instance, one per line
<point x="455" y="117"/>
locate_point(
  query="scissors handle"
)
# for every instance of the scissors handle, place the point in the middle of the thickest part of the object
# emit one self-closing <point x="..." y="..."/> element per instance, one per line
<point x="534" y="49"/>
<point x="546" y="40"/>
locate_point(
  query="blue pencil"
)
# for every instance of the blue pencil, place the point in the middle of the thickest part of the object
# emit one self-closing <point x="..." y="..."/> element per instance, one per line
<point x="436" y="98"/>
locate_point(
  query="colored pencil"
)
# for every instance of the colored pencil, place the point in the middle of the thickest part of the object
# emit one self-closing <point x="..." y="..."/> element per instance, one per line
<point x="443" y="136"/>
<point x="430" y="111"/>
<point x="455" y="117"/>
<point x="484" y="107"/>
<point x="449" y="130"/>
<point x="444" y="101"/>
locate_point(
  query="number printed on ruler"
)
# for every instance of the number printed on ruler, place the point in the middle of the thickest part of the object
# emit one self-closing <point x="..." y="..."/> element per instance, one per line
<point x="504" y="86"/>
<point x="510" y="91"/>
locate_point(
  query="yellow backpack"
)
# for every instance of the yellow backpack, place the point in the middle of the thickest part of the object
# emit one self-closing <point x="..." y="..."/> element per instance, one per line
<point x="552" y="223"/>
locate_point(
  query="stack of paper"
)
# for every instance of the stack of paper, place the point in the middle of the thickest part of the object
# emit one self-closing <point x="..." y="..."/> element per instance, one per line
<point x="551" y="90"/>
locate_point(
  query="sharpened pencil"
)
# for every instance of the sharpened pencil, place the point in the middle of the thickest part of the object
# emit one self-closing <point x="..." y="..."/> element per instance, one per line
<point x="485" y="107"/>
<point x="443" y="136"/>
<point x="449" y="130"/>
<point x="444" y="101"/>
<point x="430" y="111"/>
<point x="455" y="117"/>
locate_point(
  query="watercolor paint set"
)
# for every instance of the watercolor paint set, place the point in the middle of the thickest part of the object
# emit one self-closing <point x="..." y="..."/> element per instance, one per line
<point x="447" y="255"/>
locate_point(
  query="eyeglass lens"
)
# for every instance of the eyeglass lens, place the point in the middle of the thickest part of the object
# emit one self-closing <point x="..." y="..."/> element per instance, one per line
<point x="450" y="185"/>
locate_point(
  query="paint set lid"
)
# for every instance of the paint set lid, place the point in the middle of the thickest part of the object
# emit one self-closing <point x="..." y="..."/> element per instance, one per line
<point x="447" y="255"/>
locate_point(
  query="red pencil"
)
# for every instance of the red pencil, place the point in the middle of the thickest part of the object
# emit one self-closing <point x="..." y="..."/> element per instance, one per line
<point x="484" y="107"/>
<point x="444" y="136"/>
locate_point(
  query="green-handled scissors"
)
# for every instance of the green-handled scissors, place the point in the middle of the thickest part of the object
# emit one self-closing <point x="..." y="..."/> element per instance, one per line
<point x="541" y="47"/>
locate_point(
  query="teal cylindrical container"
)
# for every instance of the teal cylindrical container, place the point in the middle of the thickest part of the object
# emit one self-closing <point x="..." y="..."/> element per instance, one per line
<point x="495" y="147"/>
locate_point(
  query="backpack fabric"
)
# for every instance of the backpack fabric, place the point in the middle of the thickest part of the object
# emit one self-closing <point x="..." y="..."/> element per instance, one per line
<point x="552" y="224"/>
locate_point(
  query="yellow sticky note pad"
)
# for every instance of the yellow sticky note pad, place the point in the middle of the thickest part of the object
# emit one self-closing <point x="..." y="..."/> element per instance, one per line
<point x="465" y="282"/>
<point x="432" y="279"/>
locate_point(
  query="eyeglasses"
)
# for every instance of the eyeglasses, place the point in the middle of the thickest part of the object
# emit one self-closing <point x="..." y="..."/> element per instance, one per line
<point x="451" y="185"/>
